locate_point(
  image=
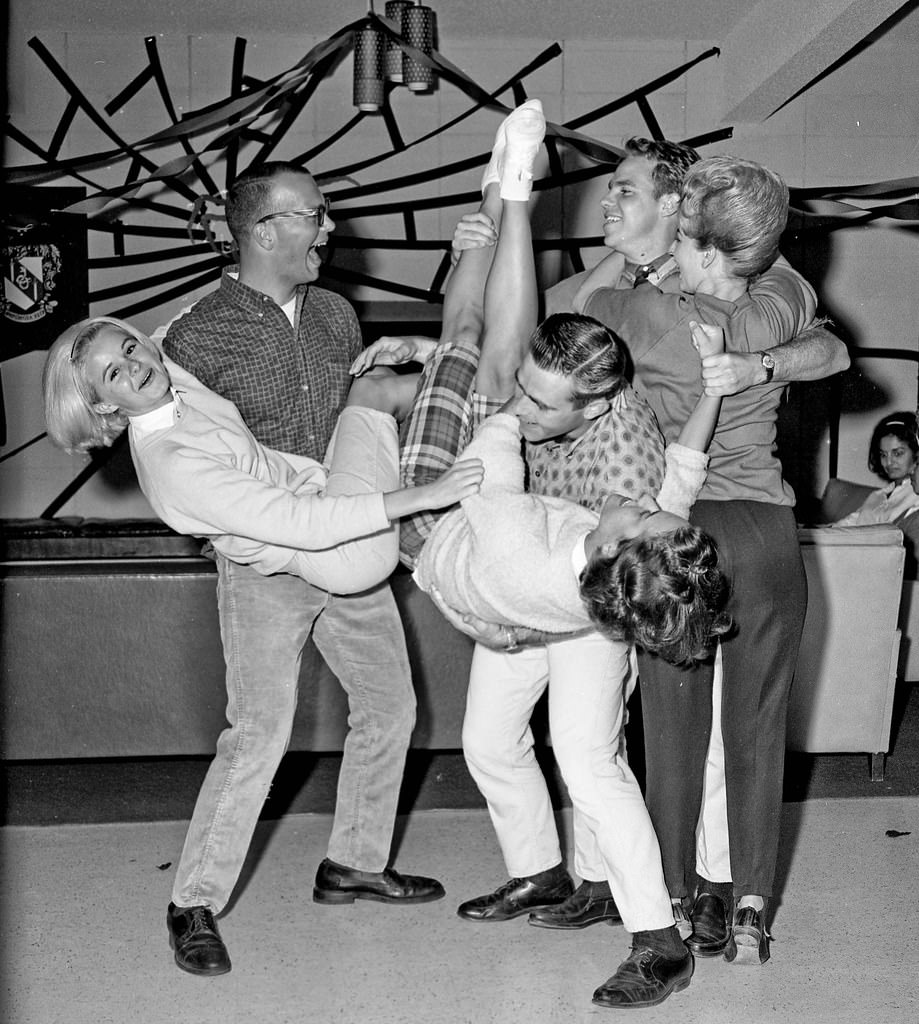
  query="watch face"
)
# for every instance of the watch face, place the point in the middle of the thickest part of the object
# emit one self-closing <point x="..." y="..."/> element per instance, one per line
<point x="768" y="361"/>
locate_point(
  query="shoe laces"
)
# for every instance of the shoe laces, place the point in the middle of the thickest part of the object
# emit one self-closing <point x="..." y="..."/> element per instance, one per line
<point x="200" y="919"/>
<point x="508" y="886"/>
<point x="641" y="954"/>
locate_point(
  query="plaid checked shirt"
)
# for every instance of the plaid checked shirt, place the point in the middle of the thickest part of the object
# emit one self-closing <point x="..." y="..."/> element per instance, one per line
<point x="445" y="414"/>
<point x="288" y="385"/>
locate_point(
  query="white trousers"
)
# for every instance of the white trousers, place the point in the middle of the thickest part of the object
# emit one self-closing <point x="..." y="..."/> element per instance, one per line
<point x="589" y="680"/>
<point x="713" y="854"/>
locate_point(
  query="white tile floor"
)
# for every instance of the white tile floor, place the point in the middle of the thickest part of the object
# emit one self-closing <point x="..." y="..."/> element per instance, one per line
<point x="84" y="939"/>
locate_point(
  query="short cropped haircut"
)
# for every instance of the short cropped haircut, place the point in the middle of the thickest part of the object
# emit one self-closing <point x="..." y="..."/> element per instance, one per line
<point x="69" y="399"/>
<point x="587" y="352"/>
<point x="739" y="208"/>
<point x="671" y="161"/>
<point x="901" y="425"/>
<point x="250" y="197"/>
<point x="663" y="592"/>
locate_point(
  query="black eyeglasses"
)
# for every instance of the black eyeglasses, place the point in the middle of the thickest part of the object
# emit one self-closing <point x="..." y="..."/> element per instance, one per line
<point x="318" y="213"/>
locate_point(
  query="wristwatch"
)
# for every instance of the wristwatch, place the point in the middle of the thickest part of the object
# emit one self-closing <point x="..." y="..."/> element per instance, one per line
<point x="768" y="365"/>
<point x="513" y="641"/>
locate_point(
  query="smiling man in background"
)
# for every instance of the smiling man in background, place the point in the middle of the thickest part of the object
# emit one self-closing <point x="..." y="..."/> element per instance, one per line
<point x="640" y="214"/>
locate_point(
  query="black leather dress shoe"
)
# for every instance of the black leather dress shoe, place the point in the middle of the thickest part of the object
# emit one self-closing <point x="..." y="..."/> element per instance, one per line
<point x="749" y="940"/>
<point x="518" y="895"/>
<point x="589" y="903"/>
<point x="645" y="978"/>
<point x="194" y="937"/>
<point x="710" y="930"/>
<point x="338" y="884"/>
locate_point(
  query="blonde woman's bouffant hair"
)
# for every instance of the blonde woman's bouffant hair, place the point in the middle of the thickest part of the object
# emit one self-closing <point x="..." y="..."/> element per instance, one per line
<point x="738" y="207"/>
<point x="71" y="418"/>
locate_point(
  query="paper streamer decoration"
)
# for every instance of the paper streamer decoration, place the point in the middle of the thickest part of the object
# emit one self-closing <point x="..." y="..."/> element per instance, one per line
<point x="418" y="31"/>
<point x="368" y="70"/>
<point x="392" y="61"/>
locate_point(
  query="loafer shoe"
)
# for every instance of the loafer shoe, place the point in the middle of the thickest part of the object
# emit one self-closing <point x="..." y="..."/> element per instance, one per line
<point x="589" y="903"/>
<point x="749" y="941"/>
<point x="338" y="884"/>
<point x="644" y="978"/>
<point x="519" y="895"/>
<point x="710" y="930"/>
<point x="194" y="937"/>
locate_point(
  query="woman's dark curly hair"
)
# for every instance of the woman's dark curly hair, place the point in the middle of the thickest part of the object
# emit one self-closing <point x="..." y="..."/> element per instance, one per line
<point x="663" y="592"/>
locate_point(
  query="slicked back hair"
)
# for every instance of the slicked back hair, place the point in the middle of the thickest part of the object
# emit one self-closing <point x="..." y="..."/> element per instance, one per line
<point x="582" y="349"/>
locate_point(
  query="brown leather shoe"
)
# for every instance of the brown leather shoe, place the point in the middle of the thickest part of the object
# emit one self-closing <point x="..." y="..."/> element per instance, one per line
<point x="710" y="931"/>
<point x="194" y="937"/>
<point x="518" y="895"/>
<point x="748" y="944"/>
<point x="589" y="903"/>
<point x="644" y="978"/>
<point x="338" y="884"/>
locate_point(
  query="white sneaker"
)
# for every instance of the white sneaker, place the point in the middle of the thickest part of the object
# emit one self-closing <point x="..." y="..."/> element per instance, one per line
<point x="524" y="137"/>
<point x="529" y="112"/>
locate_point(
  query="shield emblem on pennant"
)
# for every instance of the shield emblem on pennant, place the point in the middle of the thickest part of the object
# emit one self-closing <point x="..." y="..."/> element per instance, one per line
<point x="45" y="280"/>
<point x="30" y="274"/>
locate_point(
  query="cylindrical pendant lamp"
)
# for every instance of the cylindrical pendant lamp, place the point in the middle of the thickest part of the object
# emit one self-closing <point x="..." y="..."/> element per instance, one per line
<point x="418" y="30"/>
<point x="368" y="70"/>
<point x="392" y="60"/>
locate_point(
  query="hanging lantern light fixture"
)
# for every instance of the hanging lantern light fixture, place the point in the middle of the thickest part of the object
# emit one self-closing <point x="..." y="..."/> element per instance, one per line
<point x="369" y="89"/>
<point x="379" y="59"/>
<point x="418" y="29"/>
<point x="392" y="60"/>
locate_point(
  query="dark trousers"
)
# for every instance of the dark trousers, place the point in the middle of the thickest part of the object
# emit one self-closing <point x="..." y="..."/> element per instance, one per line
<point x="759" y="553"/>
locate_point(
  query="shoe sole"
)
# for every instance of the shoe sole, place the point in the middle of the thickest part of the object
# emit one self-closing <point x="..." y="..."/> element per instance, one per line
<point x="573" y="925"/>
<point x="342" y="897"/>
<point x="706" y="951"/>
<point x="744" y="951"/>
<point x="492" y="174"/>
<point x="504" y="917"/>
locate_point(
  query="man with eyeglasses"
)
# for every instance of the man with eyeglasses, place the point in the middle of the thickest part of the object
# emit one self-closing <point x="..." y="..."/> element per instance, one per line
<point x="280" y="348"/>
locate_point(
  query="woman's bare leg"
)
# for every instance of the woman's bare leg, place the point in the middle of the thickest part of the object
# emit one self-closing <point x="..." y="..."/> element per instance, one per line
<point x="464" y="298"/>
<point x="441" y="419"/>
<point x="511" y="303"/>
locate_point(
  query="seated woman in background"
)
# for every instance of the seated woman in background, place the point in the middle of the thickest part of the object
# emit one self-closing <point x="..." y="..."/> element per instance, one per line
<point x="894" y="455"/>
<point x="206" y="475"/>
